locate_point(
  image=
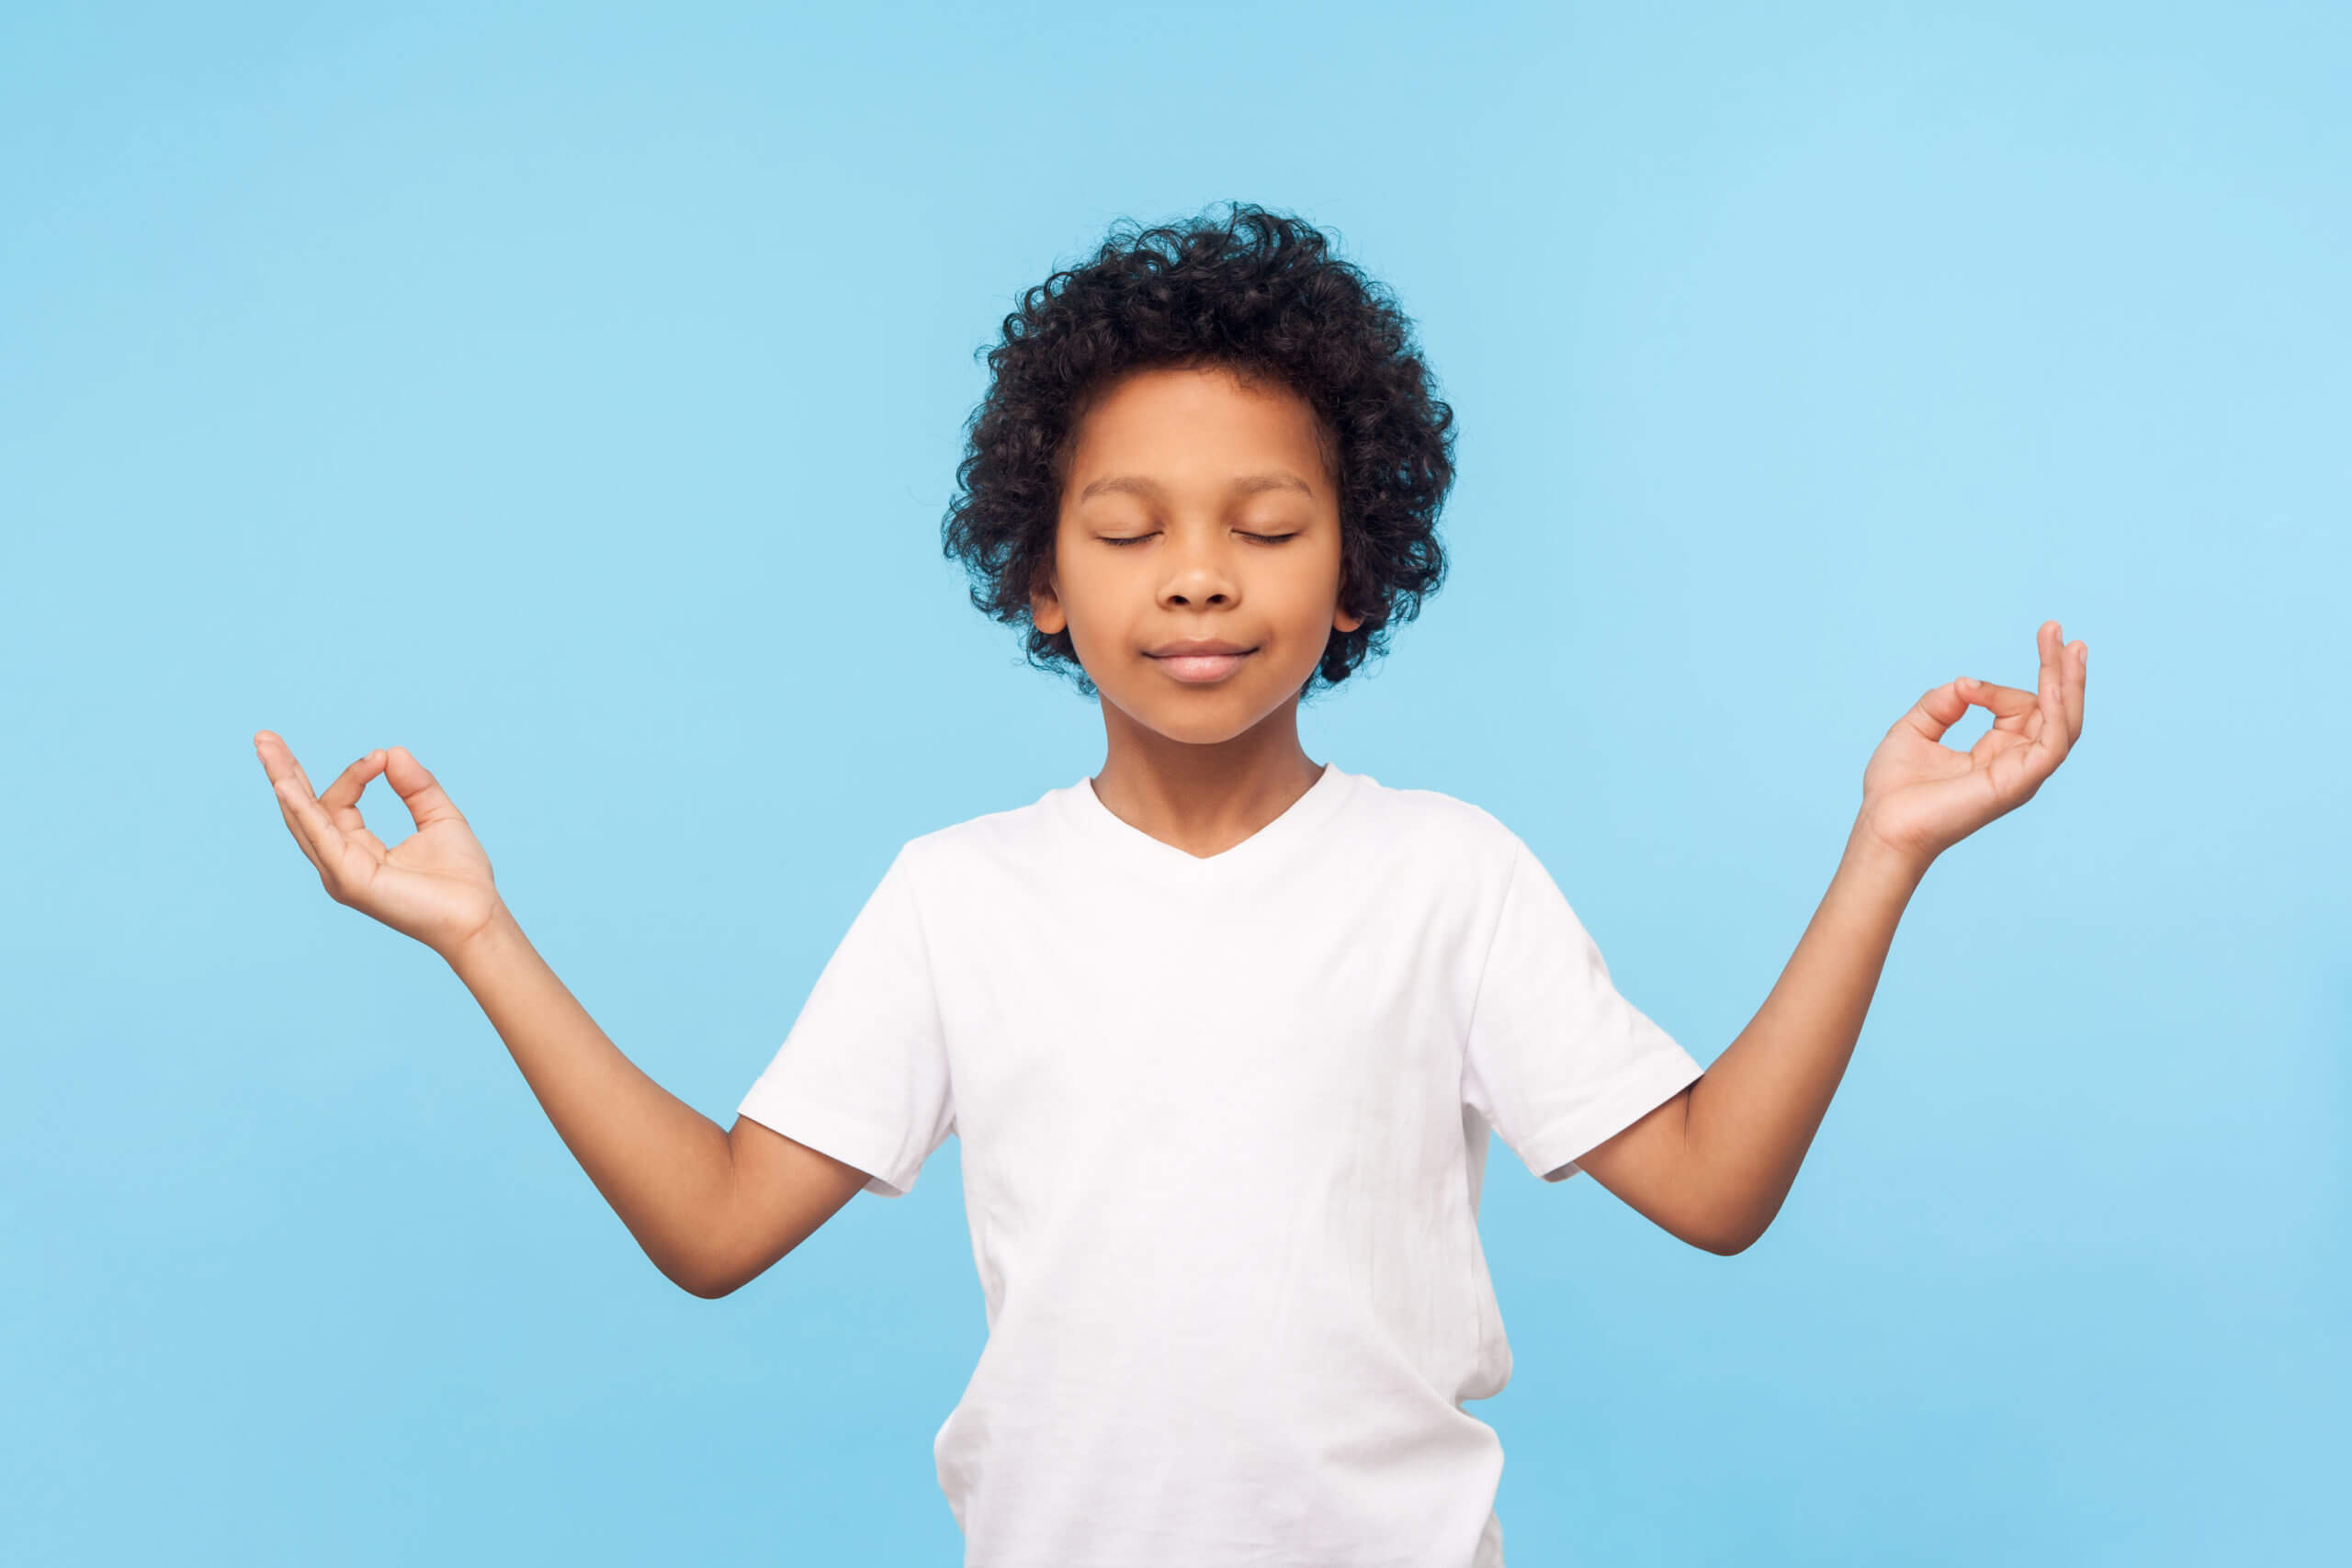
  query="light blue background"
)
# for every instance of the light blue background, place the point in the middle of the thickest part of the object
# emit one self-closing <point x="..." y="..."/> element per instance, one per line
<point x="571" y="394"/>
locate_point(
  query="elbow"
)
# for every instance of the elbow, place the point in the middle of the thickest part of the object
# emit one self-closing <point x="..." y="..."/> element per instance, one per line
<point x="1730" y="1238"/>
<point x="708" y="1289"/>
<point x="1728" y="1222"/>
<point x="706" y="1279"/>
<point x="1727" y="1245"/>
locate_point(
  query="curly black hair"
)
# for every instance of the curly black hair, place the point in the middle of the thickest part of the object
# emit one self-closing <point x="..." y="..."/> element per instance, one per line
<point x="1260" y="294"/>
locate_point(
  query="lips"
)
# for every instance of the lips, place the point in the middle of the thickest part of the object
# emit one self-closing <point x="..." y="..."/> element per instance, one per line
<point x="1195" y="668"/>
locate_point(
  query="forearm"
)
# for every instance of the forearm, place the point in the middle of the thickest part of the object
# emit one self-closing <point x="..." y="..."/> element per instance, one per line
<point x="1751" y="1117"/>
<point x="667" y="1169"/>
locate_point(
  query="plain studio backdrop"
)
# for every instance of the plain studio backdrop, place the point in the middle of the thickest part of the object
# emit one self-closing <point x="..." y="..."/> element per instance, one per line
<point x="571" y="394"/>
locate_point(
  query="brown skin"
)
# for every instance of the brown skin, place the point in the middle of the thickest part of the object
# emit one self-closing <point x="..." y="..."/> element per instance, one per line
<point x="1200" y="767"/>
<point x="1204" y="767"/>
<point x="711" y="1207"/>
<point x="1714" y="1163"/>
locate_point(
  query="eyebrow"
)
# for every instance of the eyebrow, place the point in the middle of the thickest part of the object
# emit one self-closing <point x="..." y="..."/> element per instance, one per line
<point x="1248" y="484"/>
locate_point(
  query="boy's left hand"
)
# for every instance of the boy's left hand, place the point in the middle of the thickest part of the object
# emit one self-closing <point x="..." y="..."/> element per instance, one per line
<point x="1921" y="797"/>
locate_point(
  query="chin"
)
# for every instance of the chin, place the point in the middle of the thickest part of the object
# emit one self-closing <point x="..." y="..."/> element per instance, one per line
<point x="1197" y="733"/>
<point x="1205" y="717"/>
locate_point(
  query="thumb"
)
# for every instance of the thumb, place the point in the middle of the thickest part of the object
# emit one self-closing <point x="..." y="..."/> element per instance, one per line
<point x="427" y="803"/>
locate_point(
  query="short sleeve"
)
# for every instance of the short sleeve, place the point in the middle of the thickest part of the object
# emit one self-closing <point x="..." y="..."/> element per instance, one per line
<point x="1556" y="1061"/>
<point x="862" y="1074"/>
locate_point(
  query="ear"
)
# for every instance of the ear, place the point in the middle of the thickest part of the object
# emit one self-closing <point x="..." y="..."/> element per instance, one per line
<point x="1343" y="621"/>
<point x="1046" y="611"/>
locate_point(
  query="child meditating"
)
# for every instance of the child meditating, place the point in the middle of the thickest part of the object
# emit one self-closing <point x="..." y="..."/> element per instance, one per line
<point x="1223" y="1030"/>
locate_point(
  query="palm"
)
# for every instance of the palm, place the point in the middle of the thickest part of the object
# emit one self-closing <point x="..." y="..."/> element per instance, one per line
<point x="434" y="884"/>
<point x="1921" y="796"/>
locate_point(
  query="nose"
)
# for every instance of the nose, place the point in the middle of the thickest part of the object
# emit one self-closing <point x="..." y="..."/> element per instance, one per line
<point x="1199" y="573"/>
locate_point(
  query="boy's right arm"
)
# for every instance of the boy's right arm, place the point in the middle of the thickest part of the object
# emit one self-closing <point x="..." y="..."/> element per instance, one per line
<point x="712" y="1209"/>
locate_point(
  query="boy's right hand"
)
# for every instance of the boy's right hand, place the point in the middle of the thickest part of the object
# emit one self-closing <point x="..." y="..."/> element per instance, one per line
<point x="434" y="884"/>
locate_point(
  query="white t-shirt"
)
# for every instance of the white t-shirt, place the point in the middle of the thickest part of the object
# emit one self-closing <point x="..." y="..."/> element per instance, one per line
<point x="1224" y="1123"/>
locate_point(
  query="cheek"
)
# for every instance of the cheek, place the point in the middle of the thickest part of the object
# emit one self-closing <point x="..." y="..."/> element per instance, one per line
<point x="1084" y="588"/>
<point x="1099" y="603"/>
<point x="1319" y="581"/>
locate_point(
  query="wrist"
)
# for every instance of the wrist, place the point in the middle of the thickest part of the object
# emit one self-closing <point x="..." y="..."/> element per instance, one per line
<point x="498" y="933"/>
<point x="1873" y="854"/>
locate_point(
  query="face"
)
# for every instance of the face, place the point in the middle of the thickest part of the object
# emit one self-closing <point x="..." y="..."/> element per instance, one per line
<point x="1197" y="509"/>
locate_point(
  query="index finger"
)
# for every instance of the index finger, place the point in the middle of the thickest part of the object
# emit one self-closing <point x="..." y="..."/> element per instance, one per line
<point x="344" y="793"/>
<point x="2006" y="702"/>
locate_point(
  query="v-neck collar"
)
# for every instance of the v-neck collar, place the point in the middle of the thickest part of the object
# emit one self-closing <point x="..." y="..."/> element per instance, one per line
<point x="1115" y="835"/>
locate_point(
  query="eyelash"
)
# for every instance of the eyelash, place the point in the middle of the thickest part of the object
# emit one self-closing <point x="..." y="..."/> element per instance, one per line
<point x="1261" y="538"/>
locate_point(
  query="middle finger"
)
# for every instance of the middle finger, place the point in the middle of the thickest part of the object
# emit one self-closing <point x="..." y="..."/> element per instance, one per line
<point x="2078" y="674"/>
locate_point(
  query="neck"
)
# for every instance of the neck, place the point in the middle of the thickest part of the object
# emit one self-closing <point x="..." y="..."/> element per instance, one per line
<point x="1203" y="798"/>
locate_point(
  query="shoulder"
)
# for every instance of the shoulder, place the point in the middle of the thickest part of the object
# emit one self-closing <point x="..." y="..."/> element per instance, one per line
<point x="1435" y="850"/>
<point x="1456" y="826"/>
<point x="992" y="842"/>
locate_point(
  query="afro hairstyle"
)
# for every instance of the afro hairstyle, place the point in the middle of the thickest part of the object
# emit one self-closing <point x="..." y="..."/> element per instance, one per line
<point x="1262" y="295"/>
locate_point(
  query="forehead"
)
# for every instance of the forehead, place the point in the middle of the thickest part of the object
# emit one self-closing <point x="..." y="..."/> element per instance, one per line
<point x="1195" y="426"/>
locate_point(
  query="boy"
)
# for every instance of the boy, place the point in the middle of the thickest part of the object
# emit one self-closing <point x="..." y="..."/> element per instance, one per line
<point x="1222" y="1031"/>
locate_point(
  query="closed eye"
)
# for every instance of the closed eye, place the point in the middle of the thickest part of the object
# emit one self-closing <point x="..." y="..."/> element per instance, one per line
<point x="1260" y="539"/>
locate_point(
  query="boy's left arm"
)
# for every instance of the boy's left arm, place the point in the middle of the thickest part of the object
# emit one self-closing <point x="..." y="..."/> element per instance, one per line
<point x="1714" y="1163"/>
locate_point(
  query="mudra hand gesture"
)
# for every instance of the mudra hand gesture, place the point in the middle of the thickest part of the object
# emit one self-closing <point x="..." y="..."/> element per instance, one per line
<point x="1919" y="797"/>
<point x="434" y="884"/>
